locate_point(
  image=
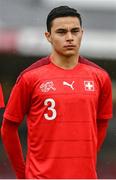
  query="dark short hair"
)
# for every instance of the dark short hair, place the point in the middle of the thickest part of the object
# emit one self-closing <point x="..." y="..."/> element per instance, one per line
<point x="61" y="11"/>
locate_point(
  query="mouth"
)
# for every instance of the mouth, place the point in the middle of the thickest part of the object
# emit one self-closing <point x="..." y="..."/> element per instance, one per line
<point x="69" y="46"/>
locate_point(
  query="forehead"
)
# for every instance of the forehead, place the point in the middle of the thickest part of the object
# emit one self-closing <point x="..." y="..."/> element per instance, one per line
<point x="65" y="22"/>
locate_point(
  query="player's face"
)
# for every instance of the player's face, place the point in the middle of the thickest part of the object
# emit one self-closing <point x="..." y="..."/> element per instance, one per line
<point x="65" y="36"/>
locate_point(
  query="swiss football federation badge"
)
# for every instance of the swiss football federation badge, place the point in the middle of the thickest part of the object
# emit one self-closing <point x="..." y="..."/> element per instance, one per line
<point x="47" y="86"/>
<point x="89" y="85"/>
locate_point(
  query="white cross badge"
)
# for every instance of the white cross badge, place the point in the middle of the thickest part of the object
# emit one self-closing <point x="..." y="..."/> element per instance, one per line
<point x="89" y="85"/>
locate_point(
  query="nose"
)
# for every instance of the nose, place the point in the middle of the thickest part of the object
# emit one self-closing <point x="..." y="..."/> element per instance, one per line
<point x="69" y="36"/>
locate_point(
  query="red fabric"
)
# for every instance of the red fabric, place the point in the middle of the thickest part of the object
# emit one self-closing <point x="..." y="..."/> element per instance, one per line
<point x="101" y="132"/>
<point x="29" y="79"/>
<point x="62" y="107"/>
<point x="1" y="98"/>
<point x="9" y="132"/>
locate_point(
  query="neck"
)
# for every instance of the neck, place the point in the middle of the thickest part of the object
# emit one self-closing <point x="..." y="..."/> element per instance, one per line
<point x="65" y="62"/>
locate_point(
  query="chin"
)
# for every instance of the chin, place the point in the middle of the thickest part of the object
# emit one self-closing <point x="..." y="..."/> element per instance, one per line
<point x="67" y="53"/>
<point x="70" y="54"/>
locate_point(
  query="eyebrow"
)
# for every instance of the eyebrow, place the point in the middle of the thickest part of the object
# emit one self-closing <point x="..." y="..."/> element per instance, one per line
<point x="65" y="30"/>
<point x="76" y="28"/>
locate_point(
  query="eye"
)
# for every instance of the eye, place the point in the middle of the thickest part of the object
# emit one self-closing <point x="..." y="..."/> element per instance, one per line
<point x="61" y="31"/>
<point x="75" y="30"/>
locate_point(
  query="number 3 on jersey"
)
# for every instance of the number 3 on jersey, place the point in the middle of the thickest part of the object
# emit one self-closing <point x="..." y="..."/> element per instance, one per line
<point x="50" y="108"/>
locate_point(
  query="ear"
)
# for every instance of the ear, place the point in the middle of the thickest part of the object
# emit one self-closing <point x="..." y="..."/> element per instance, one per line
<point x="48" y="36"/>
<point x="82" y="31"/>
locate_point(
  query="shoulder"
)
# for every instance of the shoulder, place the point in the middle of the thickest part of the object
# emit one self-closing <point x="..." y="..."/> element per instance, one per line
<point x="98" y="73"/>
<point x="40" y="63"/>
<point x="89" y="63"/>
<point x="94" y="68"/>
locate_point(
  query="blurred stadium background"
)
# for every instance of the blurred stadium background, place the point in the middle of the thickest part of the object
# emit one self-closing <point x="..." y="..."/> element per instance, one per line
<point x="22" y="42"/>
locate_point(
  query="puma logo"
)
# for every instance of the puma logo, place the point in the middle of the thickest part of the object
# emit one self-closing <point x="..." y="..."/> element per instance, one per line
<point x="69" y="85"/>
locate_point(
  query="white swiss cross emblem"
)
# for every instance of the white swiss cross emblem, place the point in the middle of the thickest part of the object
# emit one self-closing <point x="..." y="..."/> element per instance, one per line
<point x="89" y="85"/>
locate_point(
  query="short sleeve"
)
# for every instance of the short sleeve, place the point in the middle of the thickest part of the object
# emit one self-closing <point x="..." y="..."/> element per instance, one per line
<point x="105" y="100"/>
<point x="19" y="101"/>
<point x="1" y="97"/>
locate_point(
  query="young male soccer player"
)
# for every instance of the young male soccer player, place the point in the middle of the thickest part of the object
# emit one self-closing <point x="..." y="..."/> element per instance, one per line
<point x="67" y="100"/>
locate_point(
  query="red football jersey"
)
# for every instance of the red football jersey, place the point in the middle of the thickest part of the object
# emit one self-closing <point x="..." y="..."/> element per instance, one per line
<point x="62" y="107"/>
<point x="1" y="98"/>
